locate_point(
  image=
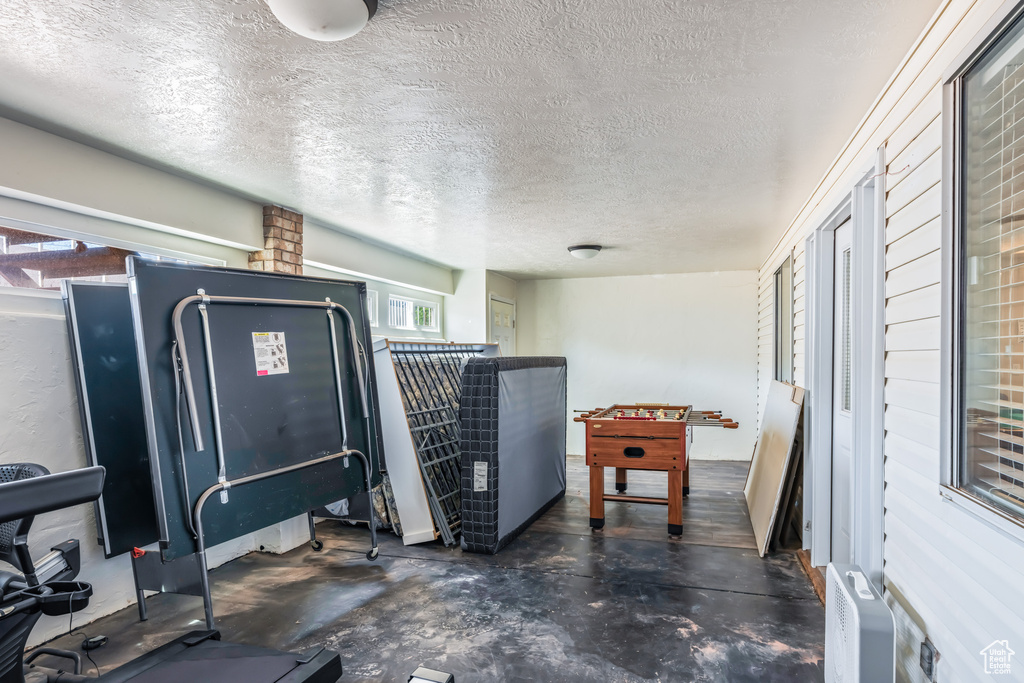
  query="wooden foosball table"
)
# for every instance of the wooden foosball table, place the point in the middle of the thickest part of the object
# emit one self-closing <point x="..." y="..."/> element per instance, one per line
<point x="643" y="436"/>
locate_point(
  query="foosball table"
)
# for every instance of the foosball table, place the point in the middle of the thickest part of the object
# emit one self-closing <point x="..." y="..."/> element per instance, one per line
<point x="643" y="436"/>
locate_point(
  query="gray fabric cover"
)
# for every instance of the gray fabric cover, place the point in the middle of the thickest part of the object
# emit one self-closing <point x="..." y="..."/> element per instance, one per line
<point x="513" y="446"/>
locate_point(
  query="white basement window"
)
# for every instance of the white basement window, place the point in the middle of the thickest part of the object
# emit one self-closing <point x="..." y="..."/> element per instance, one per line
<point x="34" y="260"/>
<point x="989" y="259"/>
<point x="411" y="314"/>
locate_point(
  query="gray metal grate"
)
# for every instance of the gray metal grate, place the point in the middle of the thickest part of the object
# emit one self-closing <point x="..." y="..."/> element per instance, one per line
<point x="430" y="379"/>
<point x="435" y="433"/>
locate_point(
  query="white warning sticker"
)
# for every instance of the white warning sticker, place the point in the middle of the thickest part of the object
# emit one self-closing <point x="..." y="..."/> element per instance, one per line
<point x="271" y="353"/>
<point x="479" y="475"/>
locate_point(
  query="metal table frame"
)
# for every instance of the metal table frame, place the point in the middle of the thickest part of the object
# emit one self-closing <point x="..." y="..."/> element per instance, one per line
<point x="183" y="379"/>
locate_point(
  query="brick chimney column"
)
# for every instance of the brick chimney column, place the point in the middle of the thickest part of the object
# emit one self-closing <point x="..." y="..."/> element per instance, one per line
<point x="282" y="242"/>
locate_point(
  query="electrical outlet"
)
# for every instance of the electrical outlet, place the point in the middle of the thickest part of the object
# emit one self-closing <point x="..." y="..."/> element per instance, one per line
<point x="928" y="657"/>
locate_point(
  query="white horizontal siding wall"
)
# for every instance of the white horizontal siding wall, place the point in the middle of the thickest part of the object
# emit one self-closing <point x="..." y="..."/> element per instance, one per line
<point x="949" y="576"/>
<point x="799" y="316"/>
<point x="766" y="326"/>
<point x="765" y="338"/>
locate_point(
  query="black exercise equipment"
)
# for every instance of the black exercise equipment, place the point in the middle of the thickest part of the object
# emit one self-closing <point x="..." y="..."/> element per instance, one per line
<point x="48" y="588"/>
<point x="253" y="394"/>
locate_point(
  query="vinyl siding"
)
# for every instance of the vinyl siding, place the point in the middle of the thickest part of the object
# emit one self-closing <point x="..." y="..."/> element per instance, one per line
<point x="766" y="325"/>
<point x="949" y="575"/>
<point x="765" y="339"/>
<point x="799" y="315"/>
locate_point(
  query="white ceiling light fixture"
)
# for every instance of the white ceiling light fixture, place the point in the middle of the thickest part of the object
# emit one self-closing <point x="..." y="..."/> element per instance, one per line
<point x="324" y="20"/>
<point x="585" y="251"/>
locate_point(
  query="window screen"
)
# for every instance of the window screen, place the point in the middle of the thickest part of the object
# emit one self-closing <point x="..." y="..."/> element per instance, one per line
<point x="991" y="282"/>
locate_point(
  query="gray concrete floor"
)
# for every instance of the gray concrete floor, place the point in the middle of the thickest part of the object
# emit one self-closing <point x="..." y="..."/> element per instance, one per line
<point x="560" y="603"/>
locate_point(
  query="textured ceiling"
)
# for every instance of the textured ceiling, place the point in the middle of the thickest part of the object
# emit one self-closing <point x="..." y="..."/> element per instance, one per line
<point x="682" y="135"/>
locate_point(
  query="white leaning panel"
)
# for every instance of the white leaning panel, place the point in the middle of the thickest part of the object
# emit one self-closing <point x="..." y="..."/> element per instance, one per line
<point x="403" y="468"/>
<point x="768" y="467"/>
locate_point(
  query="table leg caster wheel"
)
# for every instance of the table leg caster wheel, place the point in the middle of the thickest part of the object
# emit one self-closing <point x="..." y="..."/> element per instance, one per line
<point x="675" y="530"/>
<point x="372" y="554"/>
<point x="686" y="490"/>
<point x="596" y="524"/>
<point x="316" y="545"/>
<point x="620" y="488"/>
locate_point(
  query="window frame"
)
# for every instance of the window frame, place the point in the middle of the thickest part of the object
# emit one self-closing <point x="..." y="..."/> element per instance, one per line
<point x="782" y="335"/>
<point x="953" y="337"/>
<point x="385" y="289"/>
<point x="434" y="306"/>
<point x="373" y="307"/>
<point x="61" y="234"/>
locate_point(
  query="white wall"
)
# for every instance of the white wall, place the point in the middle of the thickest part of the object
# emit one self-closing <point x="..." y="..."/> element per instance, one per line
<point x="465" y="311"/>
<point x="41" y="424"/>
<point x="687" y="338"/>
<point x="56" y="171"/>
<point x="51" y="181"/>
<point x="358" y="258"/>
<point x="500" y="285"/>
<point x="950" y="574"/>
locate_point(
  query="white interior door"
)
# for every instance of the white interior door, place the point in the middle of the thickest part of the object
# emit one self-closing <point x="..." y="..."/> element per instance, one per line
<point x="842" y="422"/>
<point x="503" y="326"/>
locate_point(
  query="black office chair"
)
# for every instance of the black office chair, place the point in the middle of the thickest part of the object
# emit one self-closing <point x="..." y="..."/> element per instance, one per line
<point x="46" y="587"/>
<point x="26" y="597"/>
<point x="14" y="630"/>
<point x="14" y="534"/>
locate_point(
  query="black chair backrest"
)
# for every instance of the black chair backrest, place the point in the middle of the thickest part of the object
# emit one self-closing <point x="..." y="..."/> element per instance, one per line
<point x="14" y="534"/>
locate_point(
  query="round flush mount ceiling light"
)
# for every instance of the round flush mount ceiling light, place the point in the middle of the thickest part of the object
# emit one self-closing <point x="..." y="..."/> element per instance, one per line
<point x="585" y="251"/>
<point x="324" y="20"/>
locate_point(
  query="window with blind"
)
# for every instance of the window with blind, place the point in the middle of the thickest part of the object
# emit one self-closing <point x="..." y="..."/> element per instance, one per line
<point x="784" y="321"/>
<point x="846" y="333"/>
<point x="990" y="276"/>
<point x="409" y="314"/>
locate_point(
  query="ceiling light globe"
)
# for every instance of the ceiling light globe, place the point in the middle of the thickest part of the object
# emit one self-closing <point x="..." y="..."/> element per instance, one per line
<point x="324" y="20"/>
<point x="585" y="251"/>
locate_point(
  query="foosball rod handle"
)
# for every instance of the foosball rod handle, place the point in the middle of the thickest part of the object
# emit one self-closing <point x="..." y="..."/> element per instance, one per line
<point x="725" y="424"/>
<point x="586" y="414"/>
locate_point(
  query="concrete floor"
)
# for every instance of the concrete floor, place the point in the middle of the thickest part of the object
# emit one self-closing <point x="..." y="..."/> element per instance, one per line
<point x="560" y="603"/>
